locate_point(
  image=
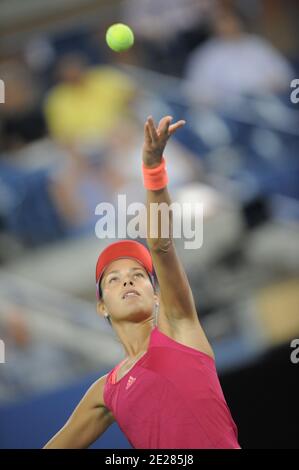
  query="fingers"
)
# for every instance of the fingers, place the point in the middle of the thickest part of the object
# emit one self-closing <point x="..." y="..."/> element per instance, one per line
<point x="164" y="128"/>
<point x="164" y="125"/>
<point x="174" y="127"/>
<point x="147" y="135"/>
<point x="152" y="129"/>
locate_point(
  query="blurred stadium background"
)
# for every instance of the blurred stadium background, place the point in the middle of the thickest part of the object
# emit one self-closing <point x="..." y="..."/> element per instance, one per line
<point x="71" y="135"/>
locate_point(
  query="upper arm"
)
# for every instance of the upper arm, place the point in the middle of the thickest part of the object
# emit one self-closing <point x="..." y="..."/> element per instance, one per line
<point x="177" y="315"/>
<point x="175" y="292"/>
<point x="87" y="423"/>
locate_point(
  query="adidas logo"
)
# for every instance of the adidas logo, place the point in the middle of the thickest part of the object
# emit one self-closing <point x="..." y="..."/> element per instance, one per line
<point x="130" y="382"/>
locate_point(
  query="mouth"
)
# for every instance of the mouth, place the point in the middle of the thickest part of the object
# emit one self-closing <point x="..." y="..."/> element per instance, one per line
<point x="130" y="294"/>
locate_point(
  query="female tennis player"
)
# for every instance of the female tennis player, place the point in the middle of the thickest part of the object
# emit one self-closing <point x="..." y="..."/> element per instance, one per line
<point x="165" y="394"/>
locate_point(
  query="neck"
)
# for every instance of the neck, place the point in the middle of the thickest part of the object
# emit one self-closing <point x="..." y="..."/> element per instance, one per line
<point x="135" y="337"/>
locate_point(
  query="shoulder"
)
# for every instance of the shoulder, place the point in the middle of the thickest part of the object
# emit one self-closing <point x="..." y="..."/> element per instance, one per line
<point x="203" y="52"/>
<point x="260" y="45"/>
<point x="58" y="97"/>
<point x="94" y="396"/>
<point x="109" y="74"/>
<point x="97" y="390"/>
<point x="185" y="331"/>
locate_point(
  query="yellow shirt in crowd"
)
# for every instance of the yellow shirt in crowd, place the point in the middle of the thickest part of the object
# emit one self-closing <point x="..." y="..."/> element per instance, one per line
<point x="90" y="109"/>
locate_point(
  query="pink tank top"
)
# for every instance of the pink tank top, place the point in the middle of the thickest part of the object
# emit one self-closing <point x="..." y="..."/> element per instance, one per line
<point x="171" y="399"/>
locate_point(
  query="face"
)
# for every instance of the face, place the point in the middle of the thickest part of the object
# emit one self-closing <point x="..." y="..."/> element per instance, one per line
<point x="72" y="69"/>
<point x="127" y="292"/>
<point x="226" y="24"/>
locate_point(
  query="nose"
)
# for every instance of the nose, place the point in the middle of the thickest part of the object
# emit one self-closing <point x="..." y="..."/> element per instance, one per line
<point x="127" y="283"/>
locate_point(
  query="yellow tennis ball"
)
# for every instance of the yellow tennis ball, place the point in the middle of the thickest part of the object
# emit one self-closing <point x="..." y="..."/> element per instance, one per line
<point x="119" y="37"/>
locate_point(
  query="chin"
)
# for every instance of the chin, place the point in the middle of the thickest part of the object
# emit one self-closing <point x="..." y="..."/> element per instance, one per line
<point x="138" y="314"/>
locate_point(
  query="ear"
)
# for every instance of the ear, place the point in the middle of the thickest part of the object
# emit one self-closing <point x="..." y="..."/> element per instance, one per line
<point x="101" y="309"/>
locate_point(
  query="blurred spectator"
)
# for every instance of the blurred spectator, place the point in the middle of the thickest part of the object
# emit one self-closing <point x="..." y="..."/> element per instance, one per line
<point x="46" y="204"/>
<point x="22" y="118"/>
<point x="33" y="362"/>
<point x="235" y="62"/>
<point x="167" y="30"/>
<point x="88" y="101"/>
<point x="27" y="208"/>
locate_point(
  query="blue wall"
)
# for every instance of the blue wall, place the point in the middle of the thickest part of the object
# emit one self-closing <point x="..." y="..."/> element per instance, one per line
<point x="32" y="423"/>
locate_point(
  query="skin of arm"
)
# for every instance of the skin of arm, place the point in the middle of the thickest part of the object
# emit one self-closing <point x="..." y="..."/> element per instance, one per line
<point x="177" y="302"/>
<point x="88" y="422"/>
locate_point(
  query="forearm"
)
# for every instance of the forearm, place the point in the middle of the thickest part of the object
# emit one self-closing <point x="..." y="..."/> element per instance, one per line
<point x="81" y="430"/>
<point x="64" y="439"/>
<point x="159" y="210"/>
<point x="156" y="219"/>
<point x="74" y="437"/>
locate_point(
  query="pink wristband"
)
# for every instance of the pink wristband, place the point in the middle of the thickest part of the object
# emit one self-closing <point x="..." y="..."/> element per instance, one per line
<point x="155" y="178"/>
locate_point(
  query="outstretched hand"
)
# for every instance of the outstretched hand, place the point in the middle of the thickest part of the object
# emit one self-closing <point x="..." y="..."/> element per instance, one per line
<point x="155" y="139"/>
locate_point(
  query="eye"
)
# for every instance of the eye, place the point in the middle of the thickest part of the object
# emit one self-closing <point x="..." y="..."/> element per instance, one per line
<point x="140" y="274"/>
<point x="112" y="279"/>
